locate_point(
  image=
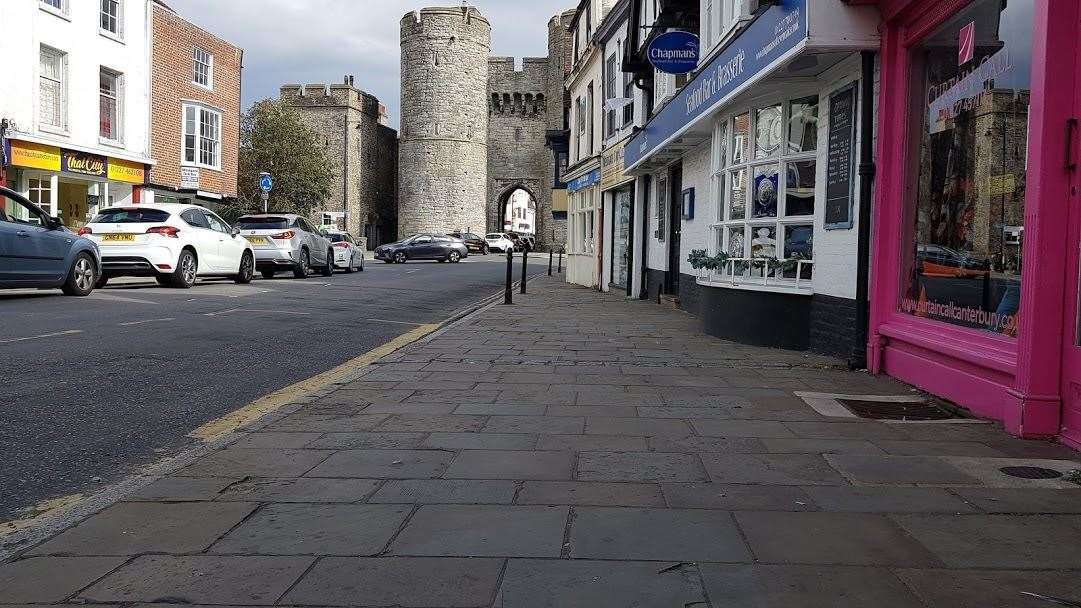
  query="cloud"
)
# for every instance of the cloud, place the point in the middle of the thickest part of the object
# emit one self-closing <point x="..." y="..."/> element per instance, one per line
<point x="317" y="41"/>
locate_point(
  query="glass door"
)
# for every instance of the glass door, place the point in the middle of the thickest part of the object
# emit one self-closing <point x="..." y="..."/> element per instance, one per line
<point x="621" y="241"/>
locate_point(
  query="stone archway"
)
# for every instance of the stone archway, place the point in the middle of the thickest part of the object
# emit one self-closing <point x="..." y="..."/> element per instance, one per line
<point x="517" y="205"/>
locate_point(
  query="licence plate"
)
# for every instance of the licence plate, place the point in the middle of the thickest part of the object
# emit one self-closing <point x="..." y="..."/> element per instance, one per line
<point x="118" y="238"/>
<point x="257" y="240"/>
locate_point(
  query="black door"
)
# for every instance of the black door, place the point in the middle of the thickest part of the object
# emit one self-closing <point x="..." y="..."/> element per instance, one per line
<point x="675" y="225"/>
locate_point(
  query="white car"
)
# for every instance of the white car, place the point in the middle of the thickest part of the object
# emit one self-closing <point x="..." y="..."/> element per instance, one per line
<point x="497" y="241"/>
<point x="171" y="242"/>
<point x="348" y="255"/>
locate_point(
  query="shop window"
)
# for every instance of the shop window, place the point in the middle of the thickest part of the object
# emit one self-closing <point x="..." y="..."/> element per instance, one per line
<point x="52" y="88"/>
<point x="202" y="137"/>
<point x="965" y="220"/>
<point x="203" y="63"/>
<point x="112" y="17"/>
<point x="582" y="221"/>
<point x="40" y="193"/>
<point x="111" y="117"/>
<point x="764" y="174"/>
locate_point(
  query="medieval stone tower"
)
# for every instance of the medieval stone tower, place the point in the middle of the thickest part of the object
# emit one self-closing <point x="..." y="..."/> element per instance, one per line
<point x="443" y="153"/>
<point x="475" y="128"/>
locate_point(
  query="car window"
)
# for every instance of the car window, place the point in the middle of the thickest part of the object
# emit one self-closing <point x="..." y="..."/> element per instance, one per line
<point x="19" y="212"/>
<point x="195" y="218"/>
<point x="422" y="239"/>
<point x="338" y="238"/>
<point x="120" y="215"/>
<point x="262" y="223"/>
<point x="443" y="239"/>
<point x="216" y="223"/>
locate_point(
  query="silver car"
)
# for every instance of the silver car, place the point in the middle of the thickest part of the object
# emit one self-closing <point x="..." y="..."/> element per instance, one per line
<point x="287" y="242"/>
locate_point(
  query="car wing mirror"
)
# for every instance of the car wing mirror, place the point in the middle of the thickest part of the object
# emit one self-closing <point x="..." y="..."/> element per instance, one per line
<point x="235" y="231"/>
<point x="53" y="223"/>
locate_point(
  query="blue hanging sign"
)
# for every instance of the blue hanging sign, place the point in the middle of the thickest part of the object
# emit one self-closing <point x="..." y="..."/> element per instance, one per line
<point x="674" y="52"/>
<point x="778" y="30"/>
<point x="585" y="181"/>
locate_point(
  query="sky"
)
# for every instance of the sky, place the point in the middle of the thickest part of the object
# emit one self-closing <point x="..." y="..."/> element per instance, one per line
<point x="317" y="41"/>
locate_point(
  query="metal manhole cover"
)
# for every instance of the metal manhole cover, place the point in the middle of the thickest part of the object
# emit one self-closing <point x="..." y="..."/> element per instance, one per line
<point x="1031" y="472"/>
<point x="894" y="410"/>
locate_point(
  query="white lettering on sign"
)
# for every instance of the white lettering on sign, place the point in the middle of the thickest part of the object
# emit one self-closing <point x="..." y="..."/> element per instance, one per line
<point x="784" y="30"/>
<point x="673" y="54"/>
<point x="710" y="84"/>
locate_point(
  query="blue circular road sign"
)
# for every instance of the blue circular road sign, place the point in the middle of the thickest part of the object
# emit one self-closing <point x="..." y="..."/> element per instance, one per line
<point x="266" y="183"/>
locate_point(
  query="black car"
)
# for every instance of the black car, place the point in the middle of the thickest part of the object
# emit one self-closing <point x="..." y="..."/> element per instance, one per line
<point x="474" y="242"/>
<point x="423" y="247"/>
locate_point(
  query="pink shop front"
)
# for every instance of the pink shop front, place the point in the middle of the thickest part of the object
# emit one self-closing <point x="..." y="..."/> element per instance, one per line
<point x="977" y="221"/>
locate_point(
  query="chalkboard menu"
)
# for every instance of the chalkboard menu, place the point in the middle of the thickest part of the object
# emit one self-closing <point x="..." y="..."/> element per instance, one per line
<point x="839" y="158"/>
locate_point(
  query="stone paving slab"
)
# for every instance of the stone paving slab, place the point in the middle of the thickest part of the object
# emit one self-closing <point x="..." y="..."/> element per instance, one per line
<point x="445" y="491"/>
<point x="303" y="489"/>
<point x="483" y="531"/>
<point x="496" y="464"/>
<point x="768" y="586"/>
<point x="597" y="584"/>
<point x="384" y="464"/>
<point x="307" y="529"/>
<point x="236" y="462"/>
<point x="690" y="535"/>
<point x="182" y="489"/>
<point x="51" y="579"/>
<point x="641" y="467"/>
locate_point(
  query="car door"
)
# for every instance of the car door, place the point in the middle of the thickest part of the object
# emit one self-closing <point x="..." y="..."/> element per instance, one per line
<point x="205" y="241"/>
<point x="316" y="245"/>
<point x="230" y="248"/>
<point x="421" y="247"/>
<point x="35" y="249"/>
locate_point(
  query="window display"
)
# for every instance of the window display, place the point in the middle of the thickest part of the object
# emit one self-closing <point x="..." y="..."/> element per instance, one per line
<point x="971" y="81"/>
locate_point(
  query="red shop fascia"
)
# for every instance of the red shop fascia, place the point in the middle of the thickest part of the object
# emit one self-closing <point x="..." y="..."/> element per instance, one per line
<point x="977" y="217"/>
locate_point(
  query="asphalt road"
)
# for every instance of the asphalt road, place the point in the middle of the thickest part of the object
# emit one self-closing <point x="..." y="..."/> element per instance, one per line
<point x="93" y="388"/>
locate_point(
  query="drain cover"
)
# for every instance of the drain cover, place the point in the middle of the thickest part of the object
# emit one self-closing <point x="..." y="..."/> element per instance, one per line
<point x="893" y="410"/>
<point x="1031" y="472"/>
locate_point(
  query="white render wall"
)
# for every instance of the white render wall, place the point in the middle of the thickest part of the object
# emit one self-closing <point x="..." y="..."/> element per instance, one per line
<point x="27" y="26"/>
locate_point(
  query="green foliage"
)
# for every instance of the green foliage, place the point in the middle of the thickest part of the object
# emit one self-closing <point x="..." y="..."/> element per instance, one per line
<point x="273" y="139"/>
<point x="700" y="258"/>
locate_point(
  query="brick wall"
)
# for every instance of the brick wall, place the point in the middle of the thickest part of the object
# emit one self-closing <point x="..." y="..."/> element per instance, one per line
<point x="174" y="42"/>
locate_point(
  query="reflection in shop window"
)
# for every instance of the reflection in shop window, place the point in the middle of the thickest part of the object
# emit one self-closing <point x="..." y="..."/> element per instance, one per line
<point x="972" y="79"/>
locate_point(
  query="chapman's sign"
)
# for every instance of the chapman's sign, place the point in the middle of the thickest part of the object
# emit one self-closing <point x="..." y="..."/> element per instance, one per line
<point x="778" y="30"/>
<point x="674" y="52"/>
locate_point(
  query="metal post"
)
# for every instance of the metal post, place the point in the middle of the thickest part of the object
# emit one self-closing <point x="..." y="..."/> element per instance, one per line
<point x="560" y="270"/>
<point x="525" y="260"/>
<point x="508" y="297"/>
<point x="266" y="197"/>
<point x="551" y="258"/>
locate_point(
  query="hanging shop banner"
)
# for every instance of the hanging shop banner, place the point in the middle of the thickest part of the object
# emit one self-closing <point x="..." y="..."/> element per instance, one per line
<point x="674" y="52"/>
<point x="127" y="171"/>
<point x="34" y="156"/>
<point x="585" y="181"/>
<point x="83" y="163"/>
<point x="781" y="28"/>
<point x="612" y="166"/>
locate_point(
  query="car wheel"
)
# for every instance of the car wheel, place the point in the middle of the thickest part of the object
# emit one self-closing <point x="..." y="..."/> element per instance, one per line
<point x="247" y="269"/>
<point x="454" y="257"/>
<point x="361" y="269"/>
<point x="267" y="274"/>
<point x="81" y="277"/>
<point x="101" y="282"/>
<point x="484" y="250"/>
<point x="187" y="267"/>
<point x="303" y="268"/>
<point x="400" y="257"/>
<point x="328" y="270"/>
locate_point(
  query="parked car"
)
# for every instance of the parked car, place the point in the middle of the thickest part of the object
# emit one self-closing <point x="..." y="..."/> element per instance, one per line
<point x="423" y="247"/>
<point x="348" y="255"/>
<point x="37" y="251"/>
<point x="498" y="241"/>
<point x="173" y="243"/>
<point x="474" y="242"/>
<point x="287" y="242"/>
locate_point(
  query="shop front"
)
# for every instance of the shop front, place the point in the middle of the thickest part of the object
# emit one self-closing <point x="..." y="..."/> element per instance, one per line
<point x="975" y="282"/>
<point x="72" y="184"/>
<point x="617" y="192"/>
<point x="584" y="236"/>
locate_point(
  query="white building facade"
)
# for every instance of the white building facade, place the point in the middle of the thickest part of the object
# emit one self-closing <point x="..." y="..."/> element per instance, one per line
<point x="75" y="102"/>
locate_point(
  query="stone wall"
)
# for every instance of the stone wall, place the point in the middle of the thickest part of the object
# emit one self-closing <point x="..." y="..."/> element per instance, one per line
<point x="443" y="151"/>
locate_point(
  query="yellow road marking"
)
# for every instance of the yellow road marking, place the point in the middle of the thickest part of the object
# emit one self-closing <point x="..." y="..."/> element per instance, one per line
<point x="38" y="512"/>
<point x="216" y="429"/>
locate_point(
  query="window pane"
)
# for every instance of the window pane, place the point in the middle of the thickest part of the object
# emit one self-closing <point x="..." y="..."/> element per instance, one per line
<point x="740" y="130"/>
<point x="722" y="146"/>
<point x="803" y="125"/>
<point x="765" y="191"/>
<point x="798" y="245"/>
<point x="737" y="242"/>
<point x="768" y="132"/>
<point x="109" y="108"/>
<point x="962" y="261"/>
<point x="737" y="203"/>
<point x="799" y="194"/>
<point x="764" y="242"/>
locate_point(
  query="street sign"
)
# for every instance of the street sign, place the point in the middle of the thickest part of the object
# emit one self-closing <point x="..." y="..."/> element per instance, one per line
<point x="265" y="182"/>
<point x="674" y="52"/>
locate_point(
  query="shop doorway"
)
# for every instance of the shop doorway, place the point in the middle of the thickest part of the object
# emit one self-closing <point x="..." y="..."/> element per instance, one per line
<point x="675" y="226"/>
<point x="72" y="203"/>
<point x="622" y="229"/>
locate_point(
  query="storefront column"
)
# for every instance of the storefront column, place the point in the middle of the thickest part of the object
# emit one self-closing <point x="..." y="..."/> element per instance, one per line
<point x="54" y="193"/>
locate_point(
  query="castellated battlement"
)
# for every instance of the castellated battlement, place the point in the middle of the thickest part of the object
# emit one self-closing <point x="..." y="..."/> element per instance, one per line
<point x="447" y="22"/>
<point x="330" y="95"/>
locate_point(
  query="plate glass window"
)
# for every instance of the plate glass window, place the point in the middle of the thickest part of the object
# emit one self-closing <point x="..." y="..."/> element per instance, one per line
<point x="110" y="16"/>
<point x="110" y="100"/>
<point x="971" y="81"/>
<point x="203" y="68"/>
<point x="52" y="93"/>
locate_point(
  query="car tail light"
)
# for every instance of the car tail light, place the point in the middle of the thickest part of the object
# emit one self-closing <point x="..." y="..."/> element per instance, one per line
<point x="85" y="231"/>
<point x="163" y="231"/>
<point x="285" y="236"/>
<point x="342" y="245"/>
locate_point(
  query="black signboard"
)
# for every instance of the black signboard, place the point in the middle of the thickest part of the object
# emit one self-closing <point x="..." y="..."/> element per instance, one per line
<point x="840" y="158"/>
<point x="83" y="163"/>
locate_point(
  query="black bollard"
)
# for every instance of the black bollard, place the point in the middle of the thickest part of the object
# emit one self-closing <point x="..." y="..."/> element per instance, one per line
<point x="508" y="297"/>
<point x="551" y="256"/>
<point x="560" y="271"/>
<point x="525" y="260"/>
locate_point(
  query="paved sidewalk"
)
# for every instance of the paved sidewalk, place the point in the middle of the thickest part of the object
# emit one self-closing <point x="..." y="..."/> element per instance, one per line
<point x="581" y="450"/>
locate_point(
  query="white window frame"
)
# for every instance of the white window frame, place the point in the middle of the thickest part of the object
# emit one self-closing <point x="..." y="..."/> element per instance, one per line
<point x="583" y="221"/>
<point x="724" y="169"/>
<point x="199" y="138"/>
<point x="63" y="10"/>
<point x="119" y="17"/>
<point x="62" y="58"/>
<point x="118" y="122"/>
<point x="195" y="61"/>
